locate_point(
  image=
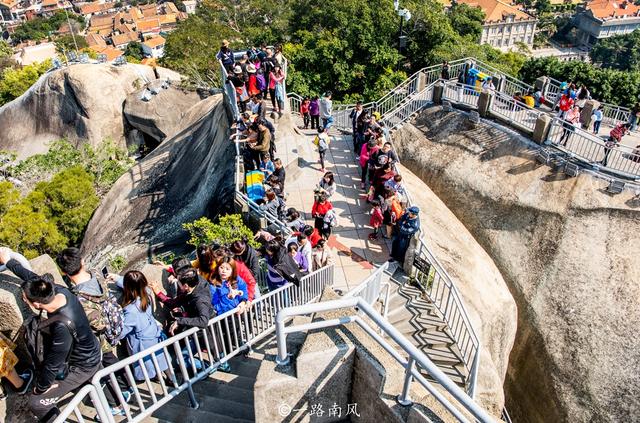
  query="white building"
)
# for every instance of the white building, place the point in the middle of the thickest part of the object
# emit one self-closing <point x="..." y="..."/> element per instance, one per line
<point x="600" y="19"/>
<point x="154" y="47"/>
<point x="504" y="25"/>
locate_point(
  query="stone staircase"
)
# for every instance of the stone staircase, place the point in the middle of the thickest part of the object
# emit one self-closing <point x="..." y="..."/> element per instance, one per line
<point x="411" y="312"/>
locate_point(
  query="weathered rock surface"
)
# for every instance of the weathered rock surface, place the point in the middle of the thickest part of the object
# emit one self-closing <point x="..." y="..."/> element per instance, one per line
<point x="485" y="294"/>
<point x="79" y="103"/>
<point x="187" y="176"/>
<point x="160" y="116"/>
<point x="569" y="254"/>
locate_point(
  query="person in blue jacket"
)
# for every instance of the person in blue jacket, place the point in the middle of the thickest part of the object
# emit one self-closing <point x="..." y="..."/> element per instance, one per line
<point x="141" y="330"/>
<point x="406" y="227"/>
<point x="231" y="292"/>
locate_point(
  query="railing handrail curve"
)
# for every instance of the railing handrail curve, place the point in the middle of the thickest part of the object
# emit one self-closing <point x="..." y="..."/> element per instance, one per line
<point x="414" y="354"/>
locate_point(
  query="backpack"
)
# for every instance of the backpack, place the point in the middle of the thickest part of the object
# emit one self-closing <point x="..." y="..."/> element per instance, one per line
<point x="396" y="210"/>
<point x="104" y="313"/>
<point x="261" y="84"/>
<point x="330" y="219"/>
<point x="565" y="103"/>
<point x="33" y="330"/>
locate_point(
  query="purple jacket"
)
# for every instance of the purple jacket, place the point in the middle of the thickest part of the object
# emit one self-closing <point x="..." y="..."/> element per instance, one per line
<point x="314" y="108"/>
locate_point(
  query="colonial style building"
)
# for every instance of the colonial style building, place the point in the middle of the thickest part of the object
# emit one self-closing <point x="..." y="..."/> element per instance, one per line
<point x="504" y="25"/>
<point x="599" y="19"/>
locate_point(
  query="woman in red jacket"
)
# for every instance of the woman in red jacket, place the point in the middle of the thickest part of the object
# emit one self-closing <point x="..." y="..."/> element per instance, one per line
<point x="320" y="207"/>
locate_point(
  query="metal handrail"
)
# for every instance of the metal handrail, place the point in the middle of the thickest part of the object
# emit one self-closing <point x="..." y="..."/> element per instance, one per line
<point x="225" y="336"/>
<point x="416" y="358"/>
<point x="582" y="145"/>
<point x="513" y="110"/>
<point x="450" y="306"/>
<point x="73" y="407"/>
<point x="371" y="288"/>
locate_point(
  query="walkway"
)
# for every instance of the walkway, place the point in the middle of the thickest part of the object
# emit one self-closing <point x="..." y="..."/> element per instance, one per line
<point x="353" y="252"/>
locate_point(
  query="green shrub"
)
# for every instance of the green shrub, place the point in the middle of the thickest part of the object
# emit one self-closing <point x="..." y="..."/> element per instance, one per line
<point x="229" y="228"/>
<point x="117" y="263"/>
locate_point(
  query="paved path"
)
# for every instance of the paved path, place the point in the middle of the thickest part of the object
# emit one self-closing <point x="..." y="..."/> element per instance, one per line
<point x="354" y="254"/>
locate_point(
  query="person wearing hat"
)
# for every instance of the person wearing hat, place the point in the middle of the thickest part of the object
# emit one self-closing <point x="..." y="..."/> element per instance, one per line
<point x="237" y="79"/>
<point x="406" y="227"/>
<point x="225" y="55"/>
<point x="253" y="81"/>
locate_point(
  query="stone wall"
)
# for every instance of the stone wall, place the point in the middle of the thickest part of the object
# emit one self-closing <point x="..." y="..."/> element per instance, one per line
<point x="569" y="253"/>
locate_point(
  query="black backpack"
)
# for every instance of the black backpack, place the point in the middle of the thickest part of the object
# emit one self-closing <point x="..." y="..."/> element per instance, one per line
<point x="35" y="326"/>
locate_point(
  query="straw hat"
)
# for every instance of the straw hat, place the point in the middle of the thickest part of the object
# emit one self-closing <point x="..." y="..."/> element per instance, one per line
<point x="251" y="68"/>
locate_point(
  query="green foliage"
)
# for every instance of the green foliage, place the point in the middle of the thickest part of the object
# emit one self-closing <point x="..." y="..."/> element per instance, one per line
<point x="347" y="46"/>
<point x="192" y="47"/>
<point x="466" y="20"/>
<point x="15" y="81"/>
<point x="229" y="228"/>
<point x="71" y="199"/>
<point x="106" y="163"/>
<point x="607" y="85"/>
<point x="9" y="196"/>
<point x="30" y="232"/>
<point x="117" y="263"/>
<point x="66" y="43"/>
<point x="41" y="28"/>
<point x="620" y="52"/>
<point x="134" y="50"/>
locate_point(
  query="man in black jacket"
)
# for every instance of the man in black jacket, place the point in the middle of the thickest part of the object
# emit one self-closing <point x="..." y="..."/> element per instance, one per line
<point x="71" y="350"/>
<point x="196" y="303"/>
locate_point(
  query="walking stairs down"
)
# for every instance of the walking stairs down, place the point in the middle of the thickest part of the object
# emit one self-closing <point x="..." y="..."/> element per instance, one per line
<point x="223" y="397"/>
<point x="415" y="316"/>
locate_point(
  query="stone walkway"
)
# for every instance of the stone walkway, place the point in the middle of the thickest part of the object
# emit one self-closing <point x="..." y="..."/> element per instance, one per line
<point x="354" y="254"/>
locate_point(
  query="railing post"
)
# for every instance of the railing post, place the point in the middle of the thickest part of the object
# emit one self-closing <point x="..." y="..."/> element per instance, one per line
<point x="403" y="398"/>
<point x="283" y="357"/>
<point x="541" y="129"/>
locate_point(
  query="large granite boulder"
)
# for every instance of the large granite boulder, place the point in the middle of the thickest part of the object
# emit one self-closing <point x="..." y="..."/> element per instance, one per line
<point x="569" y="253"/>
<point x="189" y="175"/>
<point x="82" y="103"/>
<point x="157" y="109"/>
<point x="485" y="294"/>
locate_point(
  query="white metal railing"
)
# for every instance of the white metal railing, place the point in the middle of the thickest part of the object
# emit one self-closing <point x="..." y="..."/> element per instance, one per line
<point x="513" y="111"/>
<point x="612" y="114"/>
<point x="194" y="354"/>
<point x="446" y="297"/>
<point x="439" y="287"/>
<point x="371" y="288"/>
<point x="582" y="145"/>
<point x="461" y="93"/>
<point x="412" y="105"/>
<point x="465" y="408"/>
<point x="86" y="393"/>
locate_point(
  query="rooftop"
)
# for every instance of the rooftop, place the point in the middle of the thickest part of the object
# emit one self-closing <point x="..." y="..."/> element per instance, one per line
<point x="154" y="42"/>
<point x="110" y="52"/>
<point x="610" y="9"/>
<point x="498" y="11"/>
<point x="125" y="38"/>
<point x="148" y="24"/>
<point x="95" y="40"/>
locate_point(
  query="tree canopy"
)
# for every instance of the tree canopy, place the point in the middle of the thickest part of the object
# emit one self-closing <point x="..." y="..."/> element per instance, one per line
<point x="621" y="52"/>
<point x="15" y="81"/>
<point x="347" y="46"/>
<point x="607" y="85"/>
<point x="466" y="20"/>
<point x="41" y="28"/>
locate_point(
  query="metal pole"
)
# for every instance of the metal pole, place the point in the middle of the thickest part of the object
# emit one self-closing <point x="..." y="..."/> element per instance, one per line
<point x="403" y="398"/>
<point x="71" y="29"/>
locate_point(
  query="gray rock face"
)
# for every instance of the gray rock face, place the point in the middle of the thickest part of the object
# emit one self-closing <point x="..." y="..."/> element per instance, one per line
<point x="568" y="252"/>
<point x="186" y="176"/>
<point x="80" y="103"/>
<point x="159" y="116"/>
